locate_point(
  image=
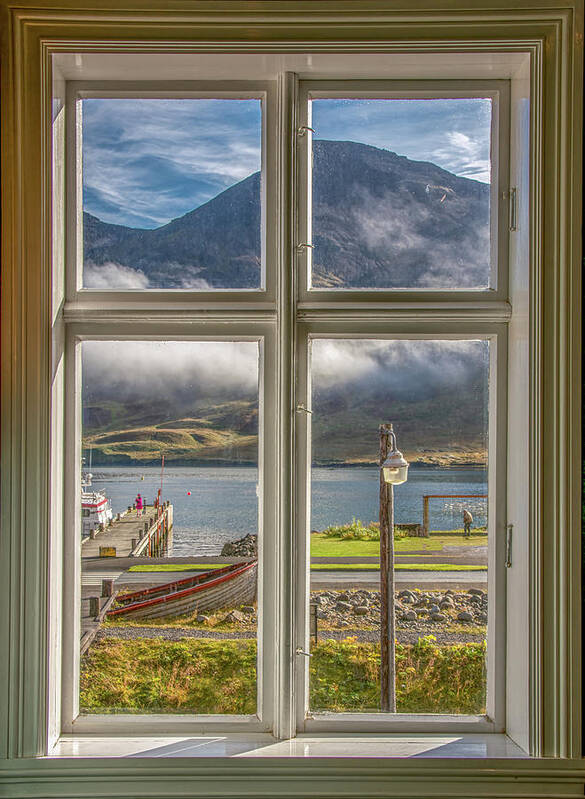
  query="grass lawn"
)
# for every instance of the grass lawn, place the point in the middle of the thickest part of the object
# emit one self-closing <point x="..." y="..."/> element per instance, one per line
<point x="322" y="545"/>
<point x="210" y="676"/>
<point x="439" y="567"/>
<point x="419" y="567"/>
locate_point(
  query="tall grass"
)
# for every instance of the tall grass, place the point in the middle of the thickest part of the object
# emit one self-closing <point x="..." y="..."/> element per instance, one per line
<point x="429" y="679"/>
<point x="219" y="676"/>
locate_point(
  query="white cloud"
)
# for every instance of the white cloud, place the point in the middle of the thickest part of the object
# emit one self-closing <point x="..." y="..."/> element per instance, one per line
<point x="113" y="276"/>
<point x="400" y="364"/>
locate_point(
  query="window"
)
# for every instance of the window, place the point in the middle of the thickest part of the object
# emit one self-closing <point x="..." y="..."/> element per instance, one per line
<point x="512" y="309"/>
<point x="179" y="415"/>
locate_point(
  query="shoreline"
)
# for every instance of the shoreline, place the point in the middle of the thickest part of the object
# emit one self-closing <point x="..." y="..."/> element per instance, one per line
<point x="416" y="465"/>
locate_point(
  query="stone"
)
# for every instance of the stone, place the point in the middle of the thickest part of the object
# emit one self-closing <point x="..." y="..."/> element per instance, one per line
<point x="248" y="609"/>
<point x="422" y="612"/>
<point x="201" y="618"/>
<point x="407" y="600"/>
<point x="343" y="606"/>
<point x="445" y="604"/>
<point x="482" y="618"/>
<point x="409" y="615"/>
<point x="343" y="623"/>
<point x="244" y="547"/>
<point x="235" y="617"/>
<point x="321" y="614"/>
<point x="438" y="617"/>
<point x="434" y="609"/>
<point x="360" y="610"/>
<point x="464" y="616"/>
<point x="475" y="591"/>
<point x="343" y="596"/>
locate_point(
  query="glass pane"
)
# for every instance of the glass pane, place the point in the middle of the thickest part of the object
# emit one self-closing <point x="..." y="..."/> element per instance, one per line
<point x="401" y="194"/>
<point x="170" y="523"/>
<point x="172" y="194"/>
<point x="435" y="393"/>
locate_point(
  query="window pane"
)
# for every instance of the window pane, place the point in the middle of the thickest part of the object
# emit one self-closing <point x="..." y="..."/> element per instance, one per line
<point x="401" y="193"/>
<point x="172" y="194"/>
<point x="435" y="393"/>
<point x="170" y="483"/>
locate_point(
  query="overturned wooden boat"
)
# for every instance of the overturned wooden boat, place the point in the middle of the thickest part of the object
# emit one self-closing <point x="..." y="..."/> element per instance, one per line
<point x="218" y="588"/>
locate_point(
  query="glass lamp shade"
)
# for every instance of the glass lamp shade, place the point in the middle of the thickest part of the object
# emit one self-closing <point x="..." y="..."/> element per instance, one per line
<point x="395" y="468"/>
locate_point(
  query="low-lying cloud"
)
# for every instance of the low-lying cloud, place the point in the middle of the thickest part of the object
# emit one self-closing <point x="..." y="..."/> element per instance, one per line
<point x="401" y="367"/>
<point x="151" y="370"/>
<point x="113" y="276"/>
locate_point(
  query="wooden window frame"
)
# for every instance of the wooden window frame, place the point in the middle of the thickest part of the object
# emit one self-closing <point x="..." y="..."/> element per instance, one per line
<point x="551" y="36"/>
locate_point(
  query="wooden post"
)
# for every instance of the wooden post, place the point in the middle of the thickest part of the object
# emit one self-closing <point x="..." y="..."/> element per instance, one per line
<point x="92" y="533"/>
<point x="426" y="517"/>
<point x="133" y="543"/>
<point x="107" y="587"/>
<point x="387" y="618"/>
<point x="94" y="606"/>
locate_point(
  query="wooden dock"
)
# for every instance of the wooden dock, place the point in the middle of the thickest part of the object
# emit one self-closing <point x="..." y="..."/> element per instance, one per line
<point x="130" y="535"/>
<point x="94" y="606"/>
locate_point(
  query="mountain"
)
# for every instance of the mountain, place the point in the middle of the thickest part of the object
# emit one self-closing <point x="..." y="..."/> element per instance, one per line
<point x="379" y="220"/>
<point x="438" y="424"/>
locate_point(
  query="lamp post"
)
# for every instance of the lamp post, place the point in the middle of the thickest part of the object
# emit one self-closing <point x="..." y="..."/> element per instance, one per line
<point x="393" y="471"/>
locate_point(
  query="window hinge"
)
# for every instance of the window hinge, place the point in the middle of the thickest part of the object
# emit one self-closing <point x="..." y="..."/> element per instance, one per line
<point x="509" y="531"/>
<point x="301" y="408"/>
<point x="513" y="210"/>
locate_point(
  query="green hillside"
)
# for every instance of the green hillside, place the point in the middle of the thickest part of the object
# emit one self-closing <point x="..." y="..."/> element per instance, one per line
<point x="227" y="433"/>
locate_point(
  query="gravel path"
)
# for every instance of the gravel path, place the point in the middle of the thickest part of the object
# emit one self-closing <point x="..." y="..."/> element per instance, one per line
<point x="372" y="636"/>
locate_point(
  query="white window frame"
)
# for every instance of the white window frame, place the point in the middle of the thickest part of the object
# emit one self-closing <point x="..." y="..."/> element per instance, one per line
<point x="91" y="314"/>
<point x="408" y="313"/>
<point x="72" y="721"/>
<point x="544" y="633"/>
<point x="494" y="719"/>
<point x="265" y="91"/>
<point x="498" y="91"/>
<point x="167" y="314"/>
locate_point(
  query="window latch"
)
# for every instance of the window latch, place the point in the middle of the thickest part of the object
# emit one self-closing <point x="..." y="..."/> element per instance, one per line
<point x="299" y="651"/>
<point x="304" y="246"/>
<point x="513" y="210"/>
<point x="301" y="408"/>
<point x="304" y="129"/>
<point x="509" y="531"/>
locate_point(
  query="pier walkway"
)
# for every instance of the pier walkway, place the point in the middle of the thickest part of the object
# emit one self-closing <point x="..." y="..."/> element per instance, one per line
<point x="130" y="535"/>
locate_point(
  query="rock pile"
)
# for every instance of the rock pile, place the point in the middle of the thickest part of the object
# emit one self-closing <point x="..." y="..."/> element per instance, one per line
<point x="421" y="610"/>
<point x="246" y="547"/>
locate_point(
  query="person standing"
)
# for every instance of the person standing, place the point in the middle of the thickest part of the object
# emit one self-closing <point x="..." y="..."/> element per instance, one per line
<point x="467" y="520"/>
<point x="139" y="505"/>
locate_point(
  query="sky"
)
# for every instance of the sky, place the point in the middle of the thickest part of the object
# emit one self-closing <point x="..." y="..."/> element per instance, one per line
<point x="146" y="162"/>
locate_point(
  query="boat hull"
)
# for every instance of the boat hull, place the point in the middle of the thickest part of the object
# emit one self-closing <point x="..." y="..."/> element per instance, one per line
<point x="228" y="587"/>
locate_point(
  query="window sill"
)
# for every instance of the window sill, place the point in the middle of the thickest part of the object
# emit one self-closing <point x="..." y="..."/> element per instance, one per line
<point x="470" y="746"/>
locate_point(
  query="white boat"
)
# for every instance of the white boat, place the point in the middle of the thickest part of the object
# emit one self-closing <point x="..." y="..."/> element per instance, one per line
<point x="95" y="507"/>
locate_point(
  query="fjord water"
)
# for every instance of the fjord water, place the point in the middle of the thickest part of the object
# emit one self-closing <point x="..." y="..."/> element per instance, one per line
<point x="223" y="501"/>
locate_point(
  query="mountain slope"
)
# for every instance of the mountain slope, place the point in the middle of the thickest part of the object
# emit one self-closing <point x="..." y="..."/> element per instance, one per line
<point x="379" y="220"/>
